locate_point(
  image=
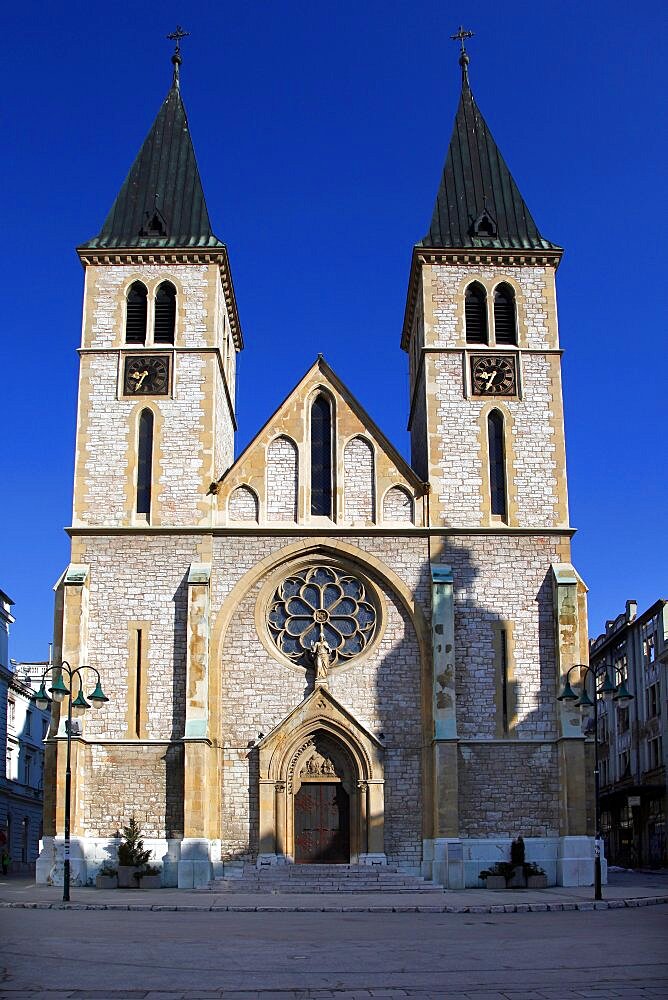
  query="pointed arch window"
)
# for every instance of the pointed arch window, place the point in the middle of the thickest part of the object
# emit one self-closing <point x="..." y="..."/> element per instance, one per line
<point x="321" y="457"/>
<point x="144" y="462"/>
<point x="165" y="313"/>
<point x="505" y="317"/>
<point x="475" y="312"/>
<point x="497" y="463"/>
<point x="135" y="314"/>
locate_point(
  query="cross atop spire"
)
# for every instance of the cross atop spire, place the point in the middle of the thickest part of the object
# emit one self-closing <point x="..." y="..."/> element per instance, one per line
<point x="176" y="36"/>
<point x="461" y="37"/>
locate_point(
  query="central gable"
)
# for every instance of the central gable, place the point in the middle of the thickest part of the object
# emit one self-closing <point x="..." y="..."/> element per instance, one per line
<point x="320" y="460"/>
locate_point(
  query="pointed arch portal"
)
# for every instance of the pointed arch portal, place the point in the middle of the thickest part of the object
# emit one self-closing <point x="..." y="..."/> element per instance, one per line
<point x="321" y="788"/>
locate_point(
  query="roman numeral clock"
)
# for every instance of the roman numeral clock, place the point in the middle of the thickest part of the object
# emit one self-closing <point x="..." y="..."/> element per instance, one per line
<point x="146" y="375"/>
<point x="493" y="375"/>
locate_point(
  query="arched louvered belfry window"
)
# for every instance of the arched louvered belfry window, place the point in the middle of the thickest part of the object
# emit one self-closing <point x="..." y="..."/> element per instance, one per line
<point x="144" y="462"/>
<point x="321" y="457"/>
<point x="475" y="311"/>
<point x="135" y="315"/>
<point x="497" y="463"/>
<point x="165" y="313"/>
<point x="505" y="321"/>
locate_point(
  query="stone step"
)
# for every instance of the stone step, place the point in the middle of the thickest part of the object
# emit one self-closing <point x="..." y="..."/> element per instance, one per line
<point x="284" y="879"/>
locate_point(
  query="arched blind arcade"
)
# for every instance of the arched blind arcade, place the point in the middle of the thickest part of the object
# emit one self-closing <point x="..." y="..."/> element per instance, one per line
<point x="144" y="462"/>
<point x="475" y="311"/>
<point x="497" y="463"/>
<point x="135" y="316"/>
<point x="165" y="313"/>
<point x="505" y="323"/>
<point x="321" y="457"/>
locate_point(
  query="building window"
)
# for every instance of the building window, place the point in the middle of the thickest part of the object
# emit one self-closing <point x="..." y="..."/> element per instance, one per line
<point x="45" y="728"/>
<point x="497" y="463"/>
<point x="27" y="769"/>
<point x="11" y="712"/>
<point x="135" y="315"/>
<point x="317" y="604"/>
<point x="622" y="718"/>
<point x="654" y="753"/>
<point x="144" y="462"/>
<point x="28" y="724"/>
<point x="165" y="314"/>
<point x="321" y="457"/>
<point x="505" y="322"/>
<point x="605" y="772"/>
<point x="653" y="697"/>
<point x="475" y="314"/>
<point x="624" y="765"/>
<point x="649" y="649"/>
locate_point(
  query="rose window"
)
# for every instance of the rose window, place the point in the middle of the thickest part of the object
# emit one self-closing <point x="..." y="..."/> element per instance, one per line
<point x="321" y="603"/>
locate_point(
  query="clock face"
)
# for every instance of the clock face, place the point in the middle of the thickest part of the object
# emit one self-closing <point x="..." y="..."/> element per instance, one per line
<point x="492" y="375"/>
<point x="146" y="375"/>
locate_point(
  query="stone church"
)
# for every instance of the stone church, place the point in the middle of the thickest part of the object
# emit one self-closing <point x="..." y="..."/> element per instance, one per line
<point x="316" y="652"/>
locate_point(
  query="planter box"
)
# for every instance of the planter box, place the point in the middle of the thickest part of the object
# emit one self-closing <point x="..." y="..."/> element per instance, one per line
<point x="126" y="877"/>
<point x="106" y="881"/>
<point x="150" y="882"/>
<point x="495" y="882"/>
<point x="537" y="882"/>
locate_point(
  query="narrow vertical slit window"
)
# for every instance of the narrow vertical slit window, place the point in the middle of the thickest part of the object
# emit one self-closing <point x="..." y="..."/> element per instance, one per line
<point x="135" y="314"/>
<point x="497" y="464"/>
<point x="503" y="664"/>
<point x="144" y="462"/>
<point x="138" y="689"/>
<point x="321" y="457"/>
<point x="505" y="317"/>
<point x="165" y="314"/>
<point x="475" y="314"/>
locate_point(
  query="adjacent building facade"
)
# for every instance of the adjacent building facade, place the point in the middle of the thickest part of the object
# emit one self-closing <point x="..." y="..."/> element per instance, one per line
<point x="316" y="651"/>
<point x="634" y="737"/>
<point x="23" y="728"/>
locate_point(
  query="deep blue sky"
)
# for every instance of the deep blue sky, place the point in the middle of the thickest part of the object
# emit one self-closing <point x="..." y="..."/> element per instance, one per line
<point x="320" y="131"/>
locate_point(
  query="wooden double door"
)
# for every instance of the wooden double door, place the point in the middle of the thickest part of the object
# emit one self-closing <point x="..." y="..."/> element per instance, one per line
<point x="322" y="823"/>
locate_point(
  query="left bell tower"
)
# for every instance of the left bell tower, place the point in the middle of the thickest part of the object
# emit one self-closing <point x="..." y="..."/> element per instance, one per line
<point x="160" y="334"/>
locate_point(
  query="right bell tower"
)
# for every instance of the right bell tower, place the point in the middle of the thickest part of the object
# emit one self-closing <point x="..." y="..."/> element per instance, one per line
<point x="508" y="610"/>
<point x="486" y="416"/>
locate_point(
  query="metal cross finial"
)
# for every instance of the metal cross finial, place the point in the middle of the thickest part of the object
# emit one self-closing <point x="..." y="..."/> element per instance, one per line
<point x="461" y="37"/>
<point x="176" y="36"/>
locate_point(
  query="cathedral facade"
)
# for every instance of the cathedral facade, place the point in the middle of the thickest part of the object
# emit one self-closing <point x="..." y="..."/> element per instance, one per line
<point x="315" y="651"/>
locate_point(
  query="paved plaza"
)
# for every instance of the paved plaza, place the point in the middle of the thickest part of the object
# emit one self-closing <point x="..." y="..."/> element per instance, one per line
<point x="196" y="954"/>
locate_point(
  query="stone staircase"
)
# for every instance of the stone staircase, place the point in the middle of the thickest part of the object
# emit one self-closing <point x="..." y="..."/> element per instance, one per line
<point x="284" y="879"/>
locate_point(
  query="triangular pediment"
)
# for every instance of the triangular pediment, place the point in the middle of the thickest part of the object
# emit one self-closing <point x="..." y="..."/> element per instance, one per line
<point x="320" y="713"/>
<point x="369" y="480"/>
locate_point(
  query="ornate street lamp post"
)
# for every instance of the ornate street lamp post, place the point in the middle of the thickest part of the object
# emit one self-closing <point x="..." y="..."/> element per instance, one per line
<point x="60" y="692"/>
<point x="605" y="689"/>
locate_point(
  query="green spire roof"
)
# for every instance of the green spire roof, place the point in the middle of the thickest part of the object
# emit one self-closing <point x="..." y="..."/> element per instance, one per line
<point x="161" y="203"/>
<point x="478" y="202"/>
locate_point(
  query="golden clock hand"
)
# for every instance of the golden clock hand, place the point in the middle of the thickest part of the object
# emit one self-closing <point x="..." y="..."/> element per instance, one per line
<point x="140" y="379"/>
<point x="490" y="379"/>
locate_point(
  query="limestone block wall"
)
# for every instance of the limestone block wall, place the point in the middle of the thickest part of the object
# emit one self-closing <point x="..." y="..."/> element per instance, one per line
<point x="242" y="505"/>
<point x="200" y="311"/>
<point x="504" y="580"/>
<point x="398" y="506"/>
<point x="506" y="790"/>
<point x="121" y="781"/>
<point x="444" y="287"/>
<point x="282" y="480"/>
<point x="139" y="580"/>
<point x="452" y="422"/>
<point x="258" y="689"/>
<point x="359" y="481"/>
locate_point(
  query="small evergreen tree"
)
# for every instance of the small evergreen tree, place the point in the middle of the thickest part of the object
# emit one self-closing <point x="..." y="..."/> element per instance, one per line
<point x="131" y="851"/>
